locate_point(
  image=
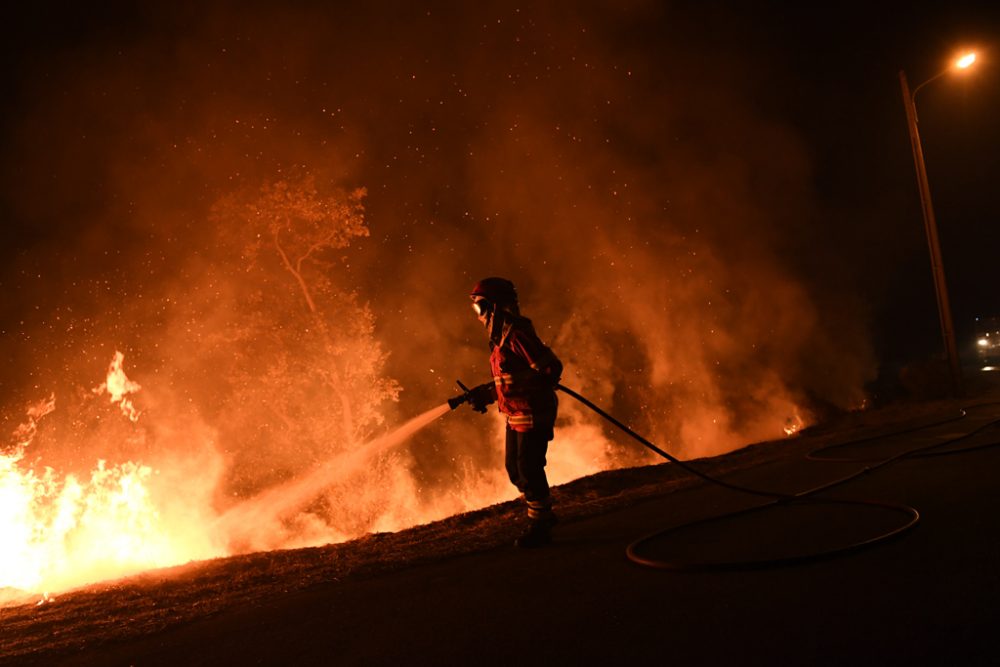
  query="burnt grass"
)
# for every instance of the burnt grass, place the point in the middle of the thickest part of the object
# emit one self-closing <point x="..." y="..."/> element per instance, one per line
<point x="155" y="600"/>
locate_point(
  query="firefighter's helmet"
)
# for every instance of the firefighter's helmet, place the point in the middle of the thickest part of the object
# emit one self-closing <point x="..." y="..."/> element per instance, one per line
<point x="490" y="292"/>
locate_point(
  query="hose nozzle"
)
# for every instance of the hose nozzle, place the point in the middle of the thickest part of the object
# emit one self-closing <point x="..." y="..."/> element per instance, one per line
<point x="464" y="397"/>
<point x="478" y="397"/>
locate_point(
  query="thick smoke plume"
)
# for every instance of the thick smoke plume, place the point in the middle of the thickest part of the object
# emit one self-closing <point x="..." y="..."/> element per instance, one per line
<point x="276" y="214"/>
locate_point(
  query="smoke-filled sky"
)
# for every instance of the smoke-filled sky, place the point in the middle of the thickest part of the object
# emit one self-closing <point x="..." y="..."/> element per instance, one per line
<point x="694" y="185"/>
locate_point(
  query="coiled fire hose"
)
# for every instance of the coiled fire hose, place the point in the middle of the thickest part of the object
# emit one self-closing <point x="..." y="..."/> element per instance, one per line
<point x="909" y="514"/>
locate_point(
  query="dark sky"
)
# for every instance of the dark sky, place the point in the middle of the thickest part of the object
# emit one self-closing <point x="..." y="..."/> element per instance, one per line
<point x="826" y="73"/>
<point x="846" y="100"/>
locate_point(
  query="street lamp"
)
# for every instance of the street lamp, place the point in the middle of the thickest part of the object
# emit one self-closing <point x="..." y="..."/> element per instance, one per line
<point x="930" y="226"/>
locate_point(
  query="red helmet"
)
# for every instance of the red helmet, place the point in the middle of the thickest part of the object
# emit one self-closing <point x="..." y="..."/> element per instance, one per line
<point x="498" y="290"/>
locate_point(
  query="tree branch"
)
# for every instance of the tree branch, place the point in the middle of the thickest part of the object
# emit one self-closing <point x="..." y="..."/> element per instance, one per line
<point x="296" y="273"/>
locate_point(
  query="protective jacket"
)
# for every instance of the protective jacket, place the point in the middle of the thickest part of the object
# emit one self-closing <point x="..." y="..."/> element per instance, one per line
<point x="525" y="372"/>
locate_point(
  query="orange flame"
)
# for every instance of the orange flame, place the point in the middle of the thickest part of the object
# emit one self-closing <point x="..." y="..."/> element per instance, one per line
<point x="61" y="531"/>
<point x="793" y="425"/>
<point x="26" y="432"/>
<point x="118" y="387"/>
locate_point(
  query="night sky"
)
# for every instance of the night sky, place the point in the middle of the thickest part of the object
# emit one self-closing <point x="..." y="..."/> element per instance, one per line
<point x="96" y="98"/>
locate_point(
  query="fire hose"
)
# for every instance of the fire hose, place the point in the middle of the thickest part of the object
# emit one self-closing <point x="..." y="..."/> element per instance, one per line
<point x="910" y="517"/>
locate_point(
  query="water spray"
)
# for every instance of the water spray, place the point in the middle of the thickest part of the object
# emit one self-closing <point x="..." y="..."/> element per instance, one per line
<point x="242" y="521"/>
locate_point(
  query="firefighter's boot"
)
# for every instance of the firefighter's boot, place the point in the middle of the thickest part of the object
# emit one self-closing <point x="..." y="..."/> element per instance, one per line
<point x="537" y="534"/>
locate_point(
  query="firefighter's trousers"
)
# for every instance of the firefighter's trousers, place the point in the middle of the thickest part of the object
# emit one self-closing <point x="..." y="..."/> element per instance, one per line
<point x="525" y="463"/>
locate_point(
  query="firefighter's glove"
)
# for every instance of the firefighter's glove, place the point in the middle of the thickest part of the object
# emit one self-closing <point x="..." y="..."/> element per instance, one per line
<point x="481" y="396"/>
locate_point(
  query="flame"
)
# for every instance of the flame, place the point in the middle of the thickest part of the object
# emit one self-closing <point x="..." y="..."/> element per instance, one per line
<point x="60" y="532"/>
<point x="118" y="387"/>
<point x="26" y="432"/>
<point x="63" y="530"/>
<point x="793" y="425"/>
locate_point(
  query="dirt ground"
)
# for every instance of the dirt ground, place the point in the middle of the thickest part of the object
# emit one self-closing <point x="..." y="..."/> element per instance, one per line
<point x="457" y="592"/>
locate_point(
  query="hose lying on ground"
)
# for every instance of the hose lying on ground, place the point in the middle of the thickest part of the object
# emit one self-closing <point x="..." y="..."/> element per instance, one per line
<point x="911" y="515"/>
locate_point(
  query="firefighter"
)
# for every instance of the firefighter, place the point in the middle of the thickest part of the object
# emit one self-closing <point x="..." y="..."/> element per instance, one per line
<point x="525" y="374"/>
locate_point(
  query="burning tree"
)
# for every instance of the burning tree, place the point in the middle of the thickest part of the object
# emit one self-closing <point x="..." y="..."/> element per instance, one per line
<point x="296" y="350"/>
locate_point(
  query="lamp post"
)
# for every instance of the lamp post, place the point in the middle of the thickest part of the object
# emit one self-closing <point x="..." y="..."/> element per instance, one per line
<point x="930" y="225"/>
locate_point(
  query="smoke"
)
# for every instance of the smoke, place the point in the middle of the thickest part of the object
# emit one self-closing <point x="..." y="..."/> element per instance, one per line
<point x="619" y="164"/>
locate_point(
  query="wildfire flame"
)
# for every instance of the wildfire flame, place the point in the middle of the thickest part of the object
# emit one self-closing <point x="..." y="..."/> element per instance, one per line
<point x="118" y="387"/>
<point x="63" y="530"/>
<point x="793" y="425"/>
<point x="60" y="531"/>
<point x="26" y="432"/>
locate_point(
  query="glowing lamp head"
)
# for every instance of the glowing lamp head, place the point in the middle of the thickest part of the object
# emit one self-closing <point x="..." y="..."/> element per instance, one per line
<point x="965" y="61"/>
